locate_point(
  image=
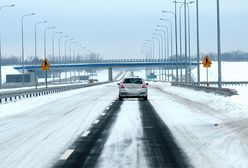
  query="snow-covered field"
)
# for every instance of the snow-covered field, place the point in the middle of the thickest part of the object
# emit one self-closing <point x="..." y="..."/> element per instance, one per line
<point x="231" y="71"/>
<point x="211" y="129"/>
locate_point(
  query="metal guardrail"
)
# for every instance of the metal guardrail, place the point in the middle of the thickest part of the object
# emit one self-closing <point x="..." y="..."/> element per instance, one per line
<point x="225" y="83"/>
<point x="215" y="90"/>
<point x="27" y="93"/>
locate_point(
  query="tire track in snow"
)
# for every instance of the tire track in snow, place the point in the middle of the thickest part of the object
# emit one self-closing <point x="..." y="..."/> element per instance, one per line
<point x="87" y="148"/>
<point x="160" y="144"/>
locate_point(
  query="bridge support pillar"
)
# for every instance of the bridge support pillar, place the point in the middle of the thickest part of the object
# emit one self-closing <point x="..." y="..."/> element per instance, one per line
<point x="110" y="74"/>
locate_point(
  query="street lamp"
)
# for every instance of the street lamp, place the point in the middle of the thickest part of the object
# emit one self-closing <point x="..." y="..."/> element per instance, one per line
<point x="45" y="56"/>
<point x="60" y="59"/>
<point x="67" y="40"/>
<point x="152" y="55"/>
<point x="161" y="51"/>
<point x="53" y="61"/>
<point x="35" y="52"/>
<point x="45" y="32"/>
<point x="75" y="60"/>
<point x="186" y="4"/>
<point x="198" y="43"/>
<point x="152" y="44"/>
<point x="170" y="22"/>
<point x="159" y="43"/>
<point x="22" y="30"/>
<point x="175" y="15"/>
<point x="81" y="48"/>
<point x="168" y="48"/>
<point x="148" y="46"/>
<point x="164" y="33"/>
<point x="70" y="57"/>
<point x="219" y="45"/>
<point x="147" y="51"/>
<point x="4" y="6"/>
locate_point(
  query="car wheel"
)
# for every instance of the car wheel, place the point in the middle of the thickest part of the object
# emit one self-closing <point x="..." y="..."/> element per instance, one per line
<point x="120" y="98"/>
<point x="145" y="98"/>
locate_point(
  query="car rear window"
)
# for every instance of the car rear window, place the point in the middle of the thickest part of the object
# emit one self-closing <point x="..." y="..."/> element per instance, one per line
<point x="133" y="80"/>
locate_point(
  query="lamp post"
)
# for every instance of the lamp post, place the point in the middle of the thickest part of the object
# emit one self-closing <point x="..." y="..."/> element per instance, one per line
<point x="219" y="45"/>
<point x="80" y="49"/>
<point x="53" y="61"/>
<point x="60" y="59"/>
<point x="149" y="48"/>
<point x="35" y="50"/>
<point x="159" y="43"/>
<point x="186" y="5"/>
<point x="45" y="56"/>
<point x="45" y="33"/>
<point x="4" y="6"/>
<point x="165" y="49"/>
<point x="180" y="34"/>
<point x="75" y="61"/>
<point x="198" y="43"/>
<point x="180" y="22"/>
<point x="168" y="47"/>
<point x="176" y="44"/>
<point x="22" y="32"/>
<point x="70" y="57"/>
<point x="170" y="23"/>
<point x="152" y="44"/>
<point x="161" y="51"/>
<point x="67" y="40"/>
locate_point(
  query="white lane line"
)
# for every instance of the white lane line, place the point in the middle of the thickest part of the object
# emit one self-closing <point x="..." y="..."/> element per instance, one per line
<point x="85" y="134"/>
<point x="107" y="108"/>
<point x="67" y="154"/>
<point x="103" y="114"/>
<point x="97" y="121"/>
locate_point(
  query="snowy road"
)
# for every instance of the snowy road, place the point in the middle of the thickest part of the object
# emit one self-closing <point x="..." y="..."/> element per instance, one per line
<point x="35" y="138"/>
<point x="131" y="133"/>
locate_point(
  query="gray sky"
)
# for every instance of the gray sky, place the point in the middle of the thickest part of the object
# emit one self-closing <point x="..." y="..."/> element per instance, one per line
<point x="117" y="28"/>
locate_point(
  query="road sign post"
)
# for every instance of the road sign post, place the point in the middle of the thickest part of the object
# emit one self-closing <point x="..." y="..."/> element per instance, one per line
<point x="207" y="78"/>
<point x="207" y="62"/>
<point x="45" y="66"/>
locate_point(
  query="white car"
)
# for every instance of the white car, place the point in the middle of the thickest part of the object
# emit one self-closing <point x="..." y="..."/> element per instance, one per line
<point x="133" y="87"/>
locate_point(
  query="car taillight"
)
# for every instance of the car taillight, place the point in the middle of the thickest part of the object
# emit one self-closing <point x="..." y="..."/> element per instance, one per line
<point x="122" y="85"/>
<point x="144" y="85"/>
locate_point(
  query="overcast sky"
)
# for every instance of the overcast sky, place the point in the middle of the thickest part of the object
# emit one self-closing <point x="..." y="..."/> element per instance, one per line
<point x="117" y="28"/>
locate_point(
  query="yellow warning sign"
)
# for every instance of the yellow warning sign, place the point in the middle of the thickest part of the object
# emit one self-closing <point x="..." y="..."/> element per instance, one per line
<point x="45" y="65"/>
<point x="207" y="62"/>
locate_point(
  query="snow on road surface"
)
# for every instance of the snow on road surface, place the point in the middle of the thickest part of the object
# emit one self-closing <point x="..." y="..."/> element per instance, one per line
<point x="36" y="136"/>
<point x="35" y="132"/>
<point x="124" y="147"/>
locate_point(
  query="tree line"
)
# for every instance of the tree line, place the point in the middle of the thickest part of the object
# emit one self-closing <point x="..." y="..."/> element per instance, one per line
<point x="31" y="60"/>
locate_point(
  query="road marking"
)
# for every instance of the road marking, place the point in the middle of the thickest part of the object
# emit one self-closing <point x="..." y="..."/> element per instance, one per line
<point x="67" y="154"/>
<point x="97" y="121"/>
<point x="85" y="134"/>
<point x="107" y="108"/>
<point x="103" y="114"/>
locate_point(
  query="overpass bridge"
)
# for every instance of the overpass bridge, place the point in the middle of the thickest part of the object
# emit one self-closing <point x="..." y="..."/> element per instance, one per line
<point x="121" y="63"/>
<point x="109" y="64"/>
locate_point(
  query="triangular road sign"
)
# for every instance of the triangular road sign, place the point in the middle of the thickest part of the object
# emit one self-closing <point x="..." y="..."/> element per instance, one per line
<point x="45" y="65"/>
<point x="207" y="62"/>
